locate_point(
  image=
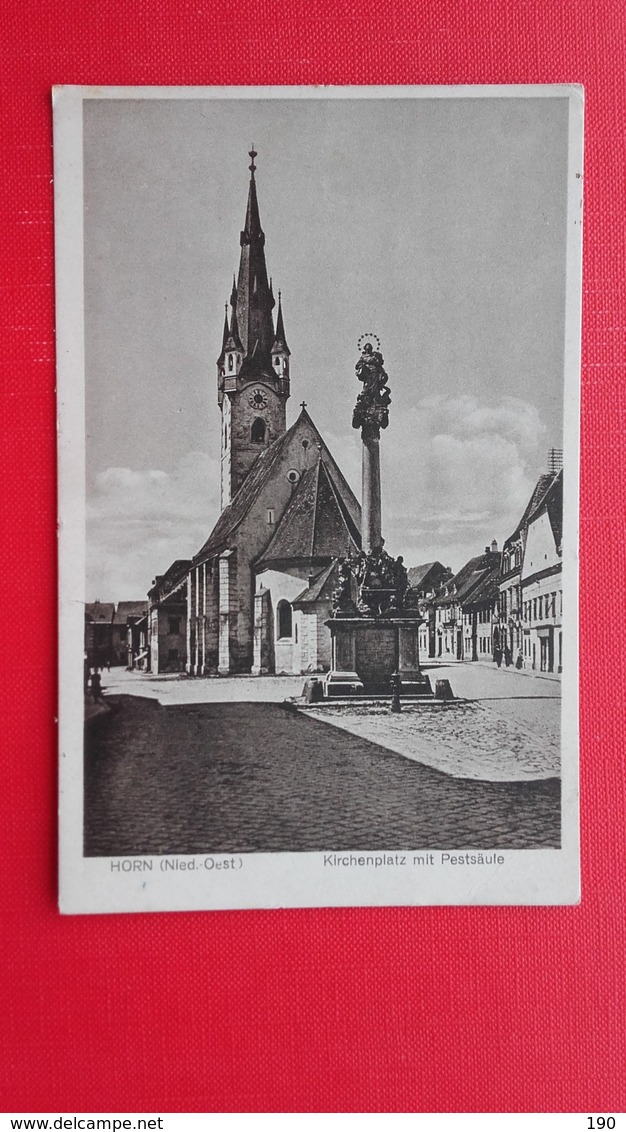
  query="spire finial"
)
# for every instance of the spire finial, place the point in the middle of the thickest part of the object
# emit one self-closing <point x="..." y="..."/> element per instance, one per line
<point x="252" y="153"/>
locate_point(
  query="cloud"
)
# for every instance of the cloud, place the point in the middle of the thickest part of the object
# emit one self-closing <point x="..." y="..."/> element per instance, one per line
<point x="139" y="521"/>
<point x="458" y="472"/>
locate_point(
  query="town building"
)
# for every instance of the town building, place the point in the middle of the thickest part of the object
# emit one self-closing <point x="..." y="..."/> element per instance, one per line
<point x="510" y="629"/>
<point x="542" y="584"/>
<point x="127" y="615"/>
<point x="167" y="619"/>
<point x="465" y="609"/>
<point x="530" y="579"/>
<point x="427" y="581"/>
<point x="99" y="633"/>
<point x="259" y="590"/>
<point x="480" y="612"/>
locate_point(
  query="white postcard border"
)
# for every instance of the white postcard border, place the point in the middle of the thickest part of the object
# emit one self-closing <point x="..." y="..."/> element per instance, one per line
<point x="273" y="880"/>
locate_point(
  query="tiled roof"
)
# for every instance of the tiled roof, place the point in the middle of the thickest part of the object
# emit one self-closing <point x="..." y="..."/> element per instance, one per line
<point x="553" y="503"/>
<point x="99" y="611"/>
<point x="419" y="575"/>
<point x="316" y="523"/>
<point x="173" y="577"/>
<point x="470" y="575"/>
<point x="487" y="589"/>
<point x="538" y="495"/>
<point x="126" y="609"/>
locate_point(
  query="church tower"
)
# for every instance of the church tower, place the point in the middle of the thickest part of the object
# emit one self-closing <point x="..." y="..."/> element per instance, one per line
<point x="253" y="366"/>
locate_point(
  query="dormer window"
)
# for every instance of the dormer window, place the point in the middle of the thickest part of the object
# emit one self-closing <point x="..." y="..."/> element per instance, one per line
<point x="230" y="361"/>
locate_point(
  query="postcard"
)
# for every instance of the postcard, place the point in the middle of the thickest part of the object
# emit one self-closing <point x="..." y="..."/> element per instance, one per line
<point x="318" y="389"/>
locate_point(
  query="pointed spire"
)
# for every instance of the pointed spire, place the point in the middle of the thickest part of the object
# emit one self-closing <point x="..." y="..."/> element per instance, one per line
<point x="254" y="298"/>
<point x="234" y="340"/>
<point x="252" y="228"/>
<point x="225" y="335"/>
<point x="280" y="341"/>
<point x="233" y="294"/>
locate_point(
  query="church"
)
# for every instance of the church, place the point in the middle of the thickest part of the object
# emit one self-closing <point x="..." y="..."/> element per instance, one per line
<point x="260" y="589"/>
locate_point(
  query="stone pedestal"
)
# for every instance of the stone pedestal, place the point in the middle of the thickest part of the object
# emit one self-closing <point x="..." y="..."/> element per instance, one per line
<point x="343" y="680"/>
<point x="367" y="651"/>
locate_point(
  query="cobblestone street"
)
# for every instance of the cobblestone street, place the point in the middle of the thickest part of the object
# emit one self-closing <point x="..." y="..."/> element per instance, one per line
<point x="254" y="776"/>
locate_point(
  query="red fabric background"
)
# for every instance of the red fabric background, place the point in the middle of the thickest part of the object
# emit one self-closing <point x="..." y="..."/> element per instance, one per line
<point x="352" y="1010"/>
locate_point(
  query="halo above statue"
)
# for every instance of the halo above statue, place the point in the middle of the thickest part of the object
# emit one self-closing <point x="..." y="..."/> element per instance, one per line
<point x="368" y="338"/>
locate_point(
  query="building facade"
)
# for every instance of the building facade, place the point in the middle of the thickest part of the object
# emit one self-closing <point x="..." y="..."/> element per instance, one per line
<point x="531" y="596"/>
<point x="167" y="620"/>
<point x="465" y="610"/>
<point x="542" y="584"/>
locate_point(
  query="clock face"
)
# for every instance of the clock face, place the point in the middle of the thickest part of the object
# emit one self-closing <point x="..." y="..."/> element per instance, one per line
<point x="257" y="399"/>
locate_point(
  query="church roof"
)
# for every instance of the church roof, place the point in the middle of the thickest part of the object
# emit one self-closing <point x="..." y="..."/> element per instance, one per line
<point x="235" y="513"/>
<point x="280" y="341"/>
<point x="223" y="533"/>
<point x="316" y="523"/>
<point x="320" y="584"/>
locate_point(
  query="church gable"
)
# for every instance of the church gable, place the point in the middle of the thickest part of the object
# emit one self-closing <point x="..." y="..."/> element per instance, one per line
<point x="255" y="514"/>
<point x="316" y="525"/>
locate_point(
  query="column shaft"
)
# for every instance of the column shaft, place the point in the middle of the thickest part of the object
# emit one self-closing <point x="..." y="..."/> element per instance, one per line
<point x="371" y="519"/>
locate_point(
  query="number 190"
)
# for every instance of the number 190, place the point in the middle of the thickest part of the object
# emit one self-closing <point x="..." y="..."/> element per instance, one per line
<point x="599" y="1122"/>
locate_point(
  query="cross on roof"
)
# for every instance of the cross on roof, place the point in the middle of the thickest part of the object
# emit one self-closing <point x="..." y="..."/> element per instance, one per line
<point x="303" y="404"/>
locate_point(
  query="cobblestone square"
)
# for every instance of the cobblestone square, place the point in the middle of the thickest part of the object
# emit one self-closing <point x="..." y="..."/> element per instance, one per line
<point x="174" y="768"/>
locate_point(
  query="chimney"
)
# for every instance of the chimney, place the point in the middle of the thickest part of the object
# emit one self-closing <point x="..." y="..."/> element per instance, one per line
<point x="494" y="546"/>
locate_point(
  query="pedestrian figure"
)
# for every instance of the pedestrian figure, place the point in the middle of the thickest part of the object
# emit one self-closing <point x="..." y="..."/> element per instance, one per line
<point x="96" y="687"/>
<point x="497" y="656"/>
<point x="519" y="663"/>
<point x="508" y="656"/>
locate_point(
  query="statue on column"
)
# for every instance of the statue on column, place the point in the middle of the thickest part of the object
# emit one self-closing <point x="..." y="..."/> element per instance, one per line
<point x="371" y="412"/>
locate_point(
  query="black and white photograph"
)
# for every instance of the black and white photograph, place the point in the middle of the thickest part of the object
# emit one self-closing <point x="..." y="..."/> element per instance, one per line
<point x="318" y="356"/>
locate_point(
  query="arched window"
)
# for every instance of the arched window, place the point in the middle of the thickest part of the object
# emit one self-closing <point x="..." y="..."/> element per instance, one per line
<point x="230" y="361"/>
<point x="283" y="617"/>
<point x="257" y="432"/>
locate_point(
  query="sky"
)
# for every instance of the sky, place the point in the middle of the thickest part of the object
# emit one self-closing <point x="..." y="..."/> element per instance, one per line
<point x="437" y="224"/>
